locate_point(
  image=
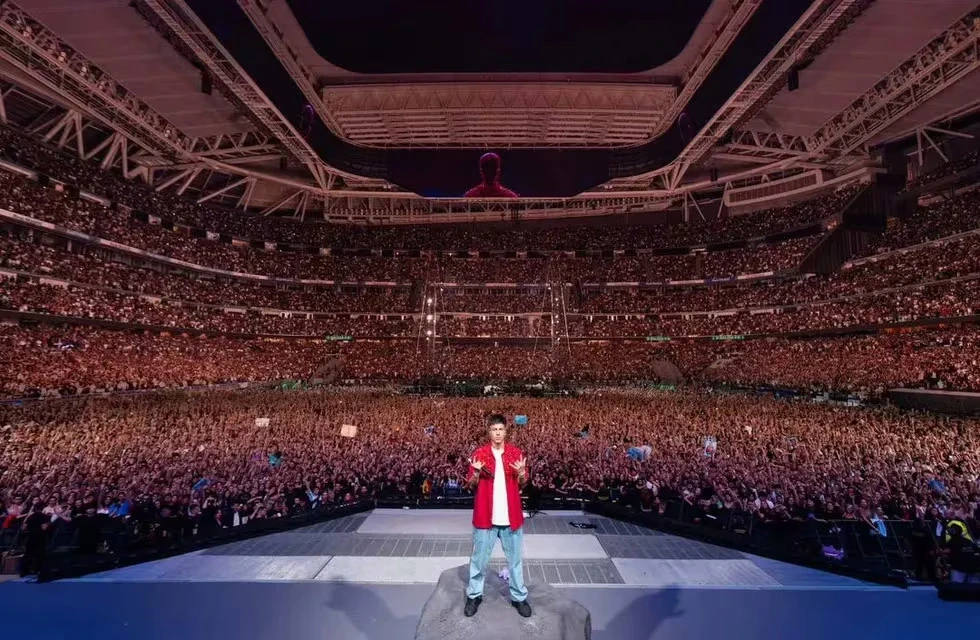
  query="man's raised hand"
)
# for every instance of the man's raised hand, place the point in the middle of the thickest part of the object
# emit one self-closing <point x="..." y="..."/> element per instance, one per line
<point x="519" y="466"/>
<point x="476" y="464"/>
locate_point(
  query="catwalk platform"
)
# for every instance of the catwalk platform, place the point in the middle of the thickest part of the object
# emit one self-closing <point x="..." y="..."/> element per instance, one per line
<point x="367" y="576"/>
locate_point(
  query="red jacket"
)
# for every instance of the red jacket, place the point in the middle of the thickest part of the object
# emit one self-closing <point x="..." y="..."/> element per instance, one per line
<point x="483" y="501"/>
<point x="490" y="190"/>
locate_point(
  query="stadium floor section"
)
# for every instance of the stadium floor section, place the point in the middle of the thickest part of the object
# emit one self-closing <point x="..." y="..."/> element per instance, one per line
<point x="368" y="576"/>
<point x="396" y="546"/>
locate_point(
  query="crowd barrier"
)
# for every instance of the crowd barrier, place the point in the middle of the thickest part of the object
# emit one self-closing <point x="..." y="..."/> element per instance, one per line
<point x="890" y="553"/>
<point x="122" y="543"/>
<point x="893" y="552"/>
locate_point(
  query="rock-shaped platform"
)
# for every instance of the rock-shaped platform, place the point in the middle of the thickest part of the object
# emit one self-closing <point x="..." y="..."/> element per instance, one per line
<point x="555" y="617"/>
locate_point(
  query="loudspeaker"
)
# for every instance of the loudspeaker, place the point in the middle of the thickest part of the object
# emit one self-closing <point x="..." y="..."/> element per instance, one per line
<point x="74" y="192"/>
<point x="206" y="87"/>
<point x="43" y="180"/>
<point x="794" y="79"/>
<point x="958" y="592"/>
<point x="714" y="174"/>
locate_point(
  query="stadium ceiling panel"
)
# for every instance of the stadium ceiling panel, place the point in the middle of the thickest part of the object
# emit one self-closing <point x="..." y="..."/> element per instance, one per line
<point x="536" y="115"/>
<point x="908" y="95"/>
<point x="887" y="34"/>
<point x="505" y="110"/>
<point x="118" y="40"/>
<point x="231" y="154"/>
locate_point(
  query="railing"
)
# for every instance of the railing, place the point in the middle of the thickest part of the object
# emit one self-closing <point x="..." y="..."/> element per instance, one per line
<point x="897" y="552"/>
<point x="114" y="542"/>
<point x="893" y="554"/>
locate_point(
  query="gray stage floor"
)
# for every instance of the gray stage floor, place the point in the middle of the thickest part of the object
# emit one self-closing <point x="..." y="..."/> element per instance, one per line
<point x="368" y="576"/>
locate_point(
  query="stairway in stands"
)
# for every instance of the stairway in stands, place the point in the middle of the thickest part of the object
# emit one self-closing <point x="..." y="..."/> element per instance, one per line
<point x="861" y="221"/>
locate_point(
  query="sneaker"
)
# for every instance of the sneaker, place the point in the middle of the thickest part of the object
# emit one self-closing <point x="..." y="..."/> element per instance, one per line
<point x="472" y="604"/>
<point x="523" y="608"/>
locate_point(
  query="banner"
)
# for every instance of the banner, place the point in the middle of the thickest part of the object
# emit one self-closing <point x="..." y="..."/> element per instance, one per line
<point x="348" y="430"/>
<point x="710" y="446"/>
<point x="261" y="422"/>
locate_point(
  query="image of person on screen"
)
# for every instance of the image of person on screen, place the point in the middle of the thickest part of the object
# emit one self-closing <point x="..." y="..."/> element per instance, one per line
<point x="498" y="472"/>
<point x="490" y="187"/>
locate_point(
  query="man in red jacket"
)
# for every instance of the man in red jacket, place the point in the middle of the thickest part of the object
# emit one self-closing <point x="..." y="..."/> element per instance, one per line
<point x="490" y="187"/>
<point x="498" y="471"/>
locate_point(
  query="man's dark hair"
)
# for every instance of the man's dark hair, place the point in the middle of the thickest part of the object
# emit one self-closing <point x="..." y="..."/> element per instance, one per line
<point x="496" y="419"/>
<point x="490" y="167"/>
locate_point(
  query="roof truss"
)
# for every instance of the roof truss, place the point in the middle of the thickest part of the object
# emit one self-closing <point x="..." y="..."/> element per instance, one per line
<point x="947" y="59"/>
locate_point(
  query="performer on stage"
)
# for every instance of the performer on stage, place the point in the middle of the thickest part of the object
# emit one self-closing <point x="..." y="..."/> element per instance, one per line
<point x="490" y="187"/>
<point x="498" y="471"/>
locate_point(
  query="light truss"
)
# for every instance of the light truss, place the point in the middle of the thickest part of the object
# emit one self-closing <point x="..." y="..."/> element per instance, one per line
<point x="741" y="12"/>
<point x="944" y="61"/>
<point x="33" y="49"/>
<point x="249" y="146"/>
<point x="184" y="25"/>
<point x="510" y="114"/>
<point x="302" y="77"/>
<point x="774" y="146"/>
<point x="821" y="21"/>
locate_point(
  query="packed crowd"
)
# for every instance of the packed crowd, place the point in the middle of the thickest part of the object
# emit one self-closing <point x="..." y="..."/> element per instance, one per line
<point x="24" y="196"/>
<point x="394" y="297"/>
<point x="220" y="459"/>
<point x="87" y="176"/>
<point x="958" y="164"/>
<point x="46" y="361"/>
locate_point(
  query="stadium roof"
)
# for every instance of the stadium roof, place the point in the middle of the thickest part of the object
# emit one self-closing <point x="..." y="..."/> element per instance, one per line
<point x="131" y="80"/>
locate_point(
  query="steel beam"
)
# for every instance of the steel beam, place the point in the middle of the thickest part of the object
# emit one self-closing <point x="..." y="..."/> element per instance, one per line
<point x="821" y="20"/>
<point x="944" y="61"/>
<point x="303" y="78"/>
<point x="223" y="190"/>
<point x="741" y="12"/>
<point x="30" y="47"/>
<point x="184" y="25"/>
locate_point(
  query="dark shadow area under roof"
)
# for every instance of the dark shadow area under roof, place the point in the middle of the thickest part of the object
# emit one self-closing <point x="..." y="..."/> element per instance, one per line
<point x="570" y="36"/>
<point x="530" y="172"/>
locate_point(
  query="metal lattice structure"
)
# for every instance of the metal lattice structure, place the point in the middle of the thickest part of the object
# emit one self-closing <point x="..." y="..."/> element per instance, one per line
<point x="539" y="113"/>
<point x="94" y="115"/>
<point x="818" y="24"/>
<point x="184" y="25"/>
<point x="943" y="62"/>
<point x="548" y="114"/>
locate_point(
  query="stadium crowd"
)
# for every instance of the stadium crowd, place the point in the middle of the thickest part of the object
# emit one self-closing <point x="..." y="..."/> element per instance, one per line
<point x="63" y="361"/>
<point x="54" y="162"/>
<point x="205" y="462"/>
<point x="199" y="461"/>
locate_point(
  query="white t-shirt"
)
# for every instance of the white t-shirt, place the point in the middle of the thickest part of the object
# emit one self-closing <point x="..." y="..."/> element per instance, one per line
<point x="499" y="516"/>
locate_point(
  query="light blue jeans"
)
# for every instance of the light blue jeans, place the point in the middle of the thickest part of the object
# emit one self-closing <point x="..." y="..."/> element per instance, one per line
<point x="484" y="540"/>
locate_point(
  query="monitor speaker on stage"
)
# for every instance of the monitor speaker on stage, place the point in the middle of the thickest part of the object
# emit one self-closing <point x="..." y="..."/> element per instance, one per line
<point x="953" y="592"/>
